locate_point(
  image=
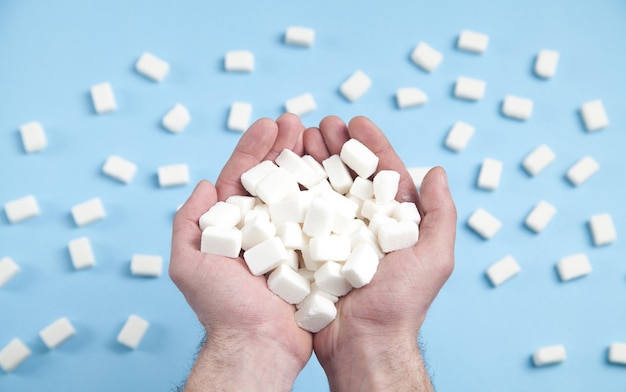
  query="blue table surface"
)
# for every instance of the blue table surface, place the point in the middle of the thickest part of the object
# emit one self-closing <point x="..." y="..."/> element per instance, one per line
<point x="476" y="337"/>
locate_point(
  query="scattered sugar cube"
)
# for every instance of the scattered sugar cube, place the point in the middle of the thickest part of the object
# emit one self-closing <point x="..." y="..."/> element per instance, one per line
<point x="120" y="169"/>
<point x="358" y="157"/>
<point x="239" y="116"/>
<point x="386" y="184"/>
<point x="338" y="174"/>
<point x="355" y="86"/>
<point x="81" y="253"/>
<point x="361" y="265"/>
<point x="266" y="256"/>
<point x="594" y="116"/>
<point x="251" y="178"/>
<point x="332" y="247"/>
<point x="315" y="313"/>
<point x="470" y="89"/>
<point x="549" y="355"/>
<point x="57" y="332"/>
<point x="582" y="170"/>
<point x="538" y="159"/>
<point x="407" y="97"/>
<point x="133" y="331"/>
<point x="546" y="62"/>
<point x="146" y="265"/>
<point x="13" y="354"/>
<point x="20" y="209"/>
<point x="221" y="241"/>
<point x="426" y="57"/>
<point x="221" y="214"/>
<point x="503" y="270"/>
<point x="459" y="135"/>
<point x="103" y="98"/>
<point x="301" y="104"/>
<point x="574" y="266"/>
<point x="173" y="175"/>
<point x="88" y="212"/>
<point x="472" y="41"/>
<point x="278" y="185"/>
<point x="517" y="107"/>
<point x="602" y="229"/>
<point x="330" y="279"/>
<point x="152" y="67"/>
<point x="176" y="119"/>
<point x="288" y="284"/>
<point x="8" y="269"/>
<point x="239" y="61"/>
<point x="417" y="174"/>
<point x="617" y="353"/>
<point x="540" y="216"/>
<point x="33" y="136"/>
<point x="397" y="236"/>
<point x="490" y="173"/>
<point x="300" y="36"/>
<point x="484" y="224"/>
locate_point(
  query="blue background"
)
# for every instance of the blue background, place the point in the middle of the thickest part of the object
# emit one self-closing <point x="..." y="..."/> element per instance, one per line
<point x="477" y="338"/>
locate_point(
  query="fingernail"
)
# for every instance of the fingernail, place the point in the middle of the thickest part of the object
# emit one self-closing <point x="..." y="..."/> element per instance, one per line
<point x="444" y="178"/>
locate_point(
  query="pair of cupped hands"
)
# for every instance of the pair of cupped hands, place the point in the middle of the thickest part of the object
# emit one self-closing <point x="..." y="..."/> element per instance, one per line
<point x="252" y="339"/>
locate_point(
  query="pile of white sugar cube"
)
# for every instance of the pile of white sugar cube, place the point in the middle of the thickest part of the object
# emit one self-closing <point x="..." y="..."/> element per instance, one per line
<point x="316" y="231"/>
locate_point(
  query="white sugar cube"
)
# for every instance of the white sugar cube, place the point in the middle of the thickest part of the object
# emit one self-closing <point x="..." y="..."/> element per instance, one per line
<point x="386" y="184"/>
<point x="316" y="166"/>
<point x="330" y="279"/>
<point x="517" y="107"/>
<point x="396" y="236"/>
<point x="300" y="36"/>
<point x="20" y="209"/>
<point x="119" y="168"/>
<point x="288" y="284"/>
<point x="14" y="353"/>
<point x="173" y="175"/>
<point x="546" y="62"/>
<point x="256" y="231"/>
<point x="319" y="219"/>
<point x="81" y="253"/>
<point x="152" y="67"/>
<point x="540" y="216"/>
<point x="290" y="210"/>
<point x="239" y="116"/>
<point x="417" y="174"/>
<point x="146" y="265"/>
<point x="358" y="157"/>
<point x="8" y="269"/>
<point x="221" y="214"/>
<point x="298" y="167"/>
<point x="372" y="207"/>
<point x="602" y="229"/>
<point x="291" y="235"/>
<point x="406" y="211"/>
<point x="362" y="188"/>
<point x="364" y="235"/>
<point x="490" y="173"/>
<point x="617" y="353"/>
<point x="538" y="159"/>
<point x="239" y="61"/>
<point x="88" y="212"/>
<point x="244" y="203"/>
<point x="103" y="98"/>
<point x="469" y="88"/>
<point x="176" y="119"/>
<point x="251" y="178"/>
<point x="582" y="170"/>
<point x="378" y="220"/>
<point x="301" y="104"/>
<point x="459" y="135"/>
<point x="133" y="331"/>
<point x="355" y="86"/>
<point x="332" y="247"/>
<point x="426" y="57"/>
<point x="57" y="332"/>
<point x="594" y="116"/>
<point x="549" y="355"/>
<point x="503" y="270"/>
<point x="361" y="266"/>
<point x="33" y="136"/>
<point x="277" y="186"/>
<point x="221" y="241"/>
<point x="338" y="174"/>
<point x="472" y="41"/>
<point x="315" y="313"/>
<point x="265" y="256"/>
<point x="407" y="97"/>
<point x="309" y="264"/>
<point x="345" y="211"/>
<point x="484" y="224"/>
<point x="574" y="266"/>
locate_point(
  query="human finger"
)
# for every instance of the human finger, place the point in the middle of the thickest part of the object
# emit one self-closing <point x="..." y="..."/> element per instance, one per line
<point x="334" y="132"/>
<point x="289" y="136"/>
<point x="314" y="144"/>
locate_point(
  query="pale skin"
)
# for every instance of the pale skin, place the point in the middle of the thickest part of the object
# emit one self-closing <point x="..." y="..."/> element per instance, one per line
<point x="253" y="342"/>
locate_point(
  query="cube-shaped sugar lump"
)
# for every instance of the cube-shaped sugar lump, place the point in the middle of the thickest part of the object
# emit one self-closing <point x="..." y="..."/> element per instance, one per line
<point x="221" y="241"/>
<point x="407" y="97"/>
<point x="602" y="229"/>
<point x="288" y="284"/>
<point x="426" y="57"/>
<point x="304" y="173"/>
<point x="330" y="279"/>
<point x="502" y="270"/>
<point x="574" y="266"/>
<point x="278" y="185"/>
<point x="251" y="178"/>
<point x="484" y="223"/>
<point x="290" y="210"/>
<point x="33" y="136"/>
<point x="146" y="265"/>
<point x="582" y="170"/>
<point x="364" y="235"/>
<point x="540" y="216"/>
<point x="316" y="166"/>
<point x="358" y="157"/>
<point x="20" y="209"/>
<point x="379" y="220"/>
<point x="301" y="104"/>
<point x="239" y="116"/>
<point x="362" y="188"/>
<point x="406" y="211"/>
<point x="459" y="136"/>
<point x="546" y="62"/>
<point x="266" y="256"/>
<point x="361" y="265"/>
<point x="617" y="353"/>
<point x="176" y="119"/>
<point x="472" y="41"/>
<point x="133" y="331"/>
<point x="291" y="235"/>
<point x="152" y="67"/>
<point x="239" y="61"/>
<point x="57" y="332"/>
<point x="14" y="353"/>
<point x="338" y="174"/>
<point x="88" y="211"/>
<point x="103" y="98"/>
<point x="469" y="88"/>
<point x="319" y="219"/>
<point x="8" y="269"/>
<point x="594" y="115"/>
<point x="386" y="184"/>
<point x="332" y="247"/>
<point x="538" y="159"/>
<point x="244" y="203"/>
<point x="549" y="355"/>
<point x="397" y="236"/>
<point x="417" y="174"/>
<point x="173" y="175"/>
<point x="372" y="207"/>
<point x="300" y="36"/>
<point x="315" y="313"/>
<point x="355" y="86"/>
<point x="490" y="173"/>
<point x="81" y="253"/>
<point x="517" y="107"/>
<point x="119" y="168"/>
<point x="221" y="214"/>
